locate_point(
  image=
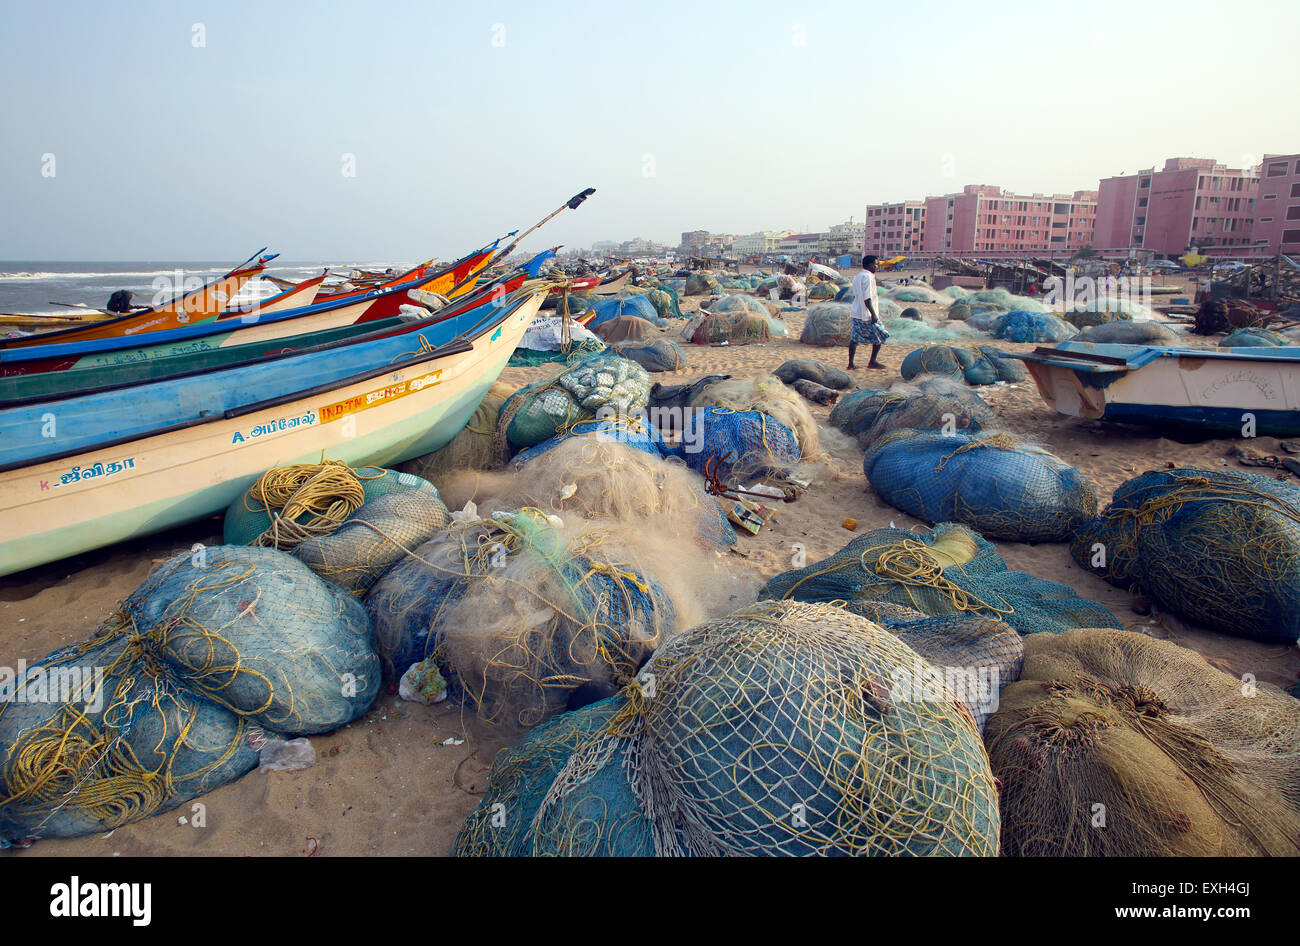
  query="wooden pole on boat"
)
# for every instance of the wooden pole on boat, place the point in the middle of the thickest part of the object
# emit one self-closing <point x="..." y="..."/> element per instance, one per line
<point x="572" y="204"/>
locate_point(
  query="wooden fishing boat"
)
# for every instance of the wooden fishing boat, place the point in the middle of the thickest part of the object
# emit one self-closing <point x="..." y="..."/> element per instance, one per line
<point x="185" y="308"/>
<point x="42" y="321"/>
<point x="375" y="305"/>
<point x="612" y="286"/>
<point x="293" y="296"/>
<point x="71" y="502"/>
<point x="1228" y="391"/>
<point x="178" y="361"/>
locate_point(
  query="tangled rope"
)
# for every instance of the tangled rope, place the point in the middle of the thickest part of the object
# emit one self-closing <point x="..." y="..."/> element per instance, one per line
<point x="329" y="491"/>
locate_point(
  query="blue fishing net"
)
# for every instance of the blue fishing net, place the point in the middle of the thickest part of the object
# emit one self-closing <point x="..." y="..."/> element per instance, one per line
<point x="1021" y="326"/>
<point x="815" y="371"/>
<point x="215" y="652"/>
<point x="521" y="776"/>
<point x="579" y="392"/>
<point x="997" y="484"/>
<point x="1219" y="547"/>
<point x="735" y="445"/>
<point x="1253" y="338"/>
<point x="638" y="306"/>
<point x="945" y="570"/>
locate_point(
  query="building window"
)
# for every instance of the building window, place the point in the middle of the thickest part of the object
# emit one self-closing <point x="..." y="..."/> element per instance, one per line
<point x="1265" y="219"/>
<point x="1291" y="236"/>
<point x="1144" y="182"/>
<point x="1142" y="201"/>
<point x="1293" y="213"/>
<point x="1277" y="170"/>
<point x="1295" y="189"/>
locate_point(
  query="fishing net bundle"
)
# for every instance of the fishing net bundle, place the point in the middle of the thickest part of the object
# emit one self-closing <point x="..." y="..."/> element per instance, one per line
<point x="633" y="431"/>
<point x="1085" y="318"/>
<point x="1022" y="326"/>
<point x="544" y="408"/>
<point x="974" y="656"/>
<point x="625" y="328"/>
<point x="1253" y="338"/>
<point x="575" y="303"/>
<point x="517" y="617"/>
<point x="959" y="311"/>
<point x="906" y="330"/>
<point x="1219" y="547"/>
<point x="1115" y="744"/>
<point x="997" y="483"/>
<point x="373" y="538"/>
<point x="1134" y="332"/>
<point x="814" y="371"/>
<point x="747" y="305"/>
<point x="933" y="403"/>
<point x="654" y="356"/>
<point x="1002" y="299"/>
<point x="732" y="446"/>
<point x="624" y="306"/>
<point x="289" y="504"/>
<point x="733" y="328"/>
<point x="216" y="652"/>
<point x="827" y="325"/>
<point x="974" y="366"/>
<point x="664" y="299"/>
<point x="945" y="570"/>
<point x="956" y="292"/>
<point x="823" y="290"/>
<point x="776" y="731"/>
<point x="768" y="395"/>
<point x="918" y="294"/>
<point x="603" y="478"/>
<point x="701" y="284"/>
<point x="474" y="448"/>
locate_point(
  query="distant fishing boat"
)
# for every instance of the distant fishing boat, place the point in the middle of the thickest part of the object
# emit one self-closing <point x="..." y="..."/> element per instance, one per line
<point x="186" y="307"/>
<point x="64" y="504"/>
<point x="1207" y="389"/>
<point x="612" y="286"/>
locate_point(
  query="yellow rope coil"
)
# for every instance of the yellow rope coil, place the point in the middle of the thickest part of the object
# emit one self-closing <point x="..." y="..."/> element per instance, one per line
<point x="329" y="492"/>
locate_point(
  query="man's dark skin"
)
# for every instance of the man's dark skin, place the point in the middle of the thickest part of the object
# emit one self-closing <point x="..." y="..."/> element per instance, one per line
<point x="875" y="349"/>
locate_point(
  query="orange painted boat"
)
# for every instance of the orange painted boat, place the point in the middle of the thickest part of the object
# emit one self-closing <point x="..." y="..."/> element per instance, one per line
<point x="296" y="295"/>
<point x="186" y="308"/>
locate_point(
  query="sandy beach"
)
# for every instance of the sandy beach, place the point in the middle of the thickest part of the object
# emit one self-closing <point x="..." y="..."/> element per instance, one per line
<point x="400" y="781"/>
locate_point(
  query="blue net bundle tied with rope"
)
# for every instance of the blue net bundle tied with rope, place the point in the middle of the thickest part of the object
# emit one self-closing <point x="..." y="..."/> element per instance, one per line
<point x="734" y="445"/>
<point x="1219" y="547"/>
<point x="814" y="371"/>
<point x="653" y="356"/>
<point x="996" y="483"/>
<point x="216" y="652"/>
<point x="781" y="730"/>
<point x="518" y="618"/>
<point x="945" y="570"/>
<point x="637" y="306"/>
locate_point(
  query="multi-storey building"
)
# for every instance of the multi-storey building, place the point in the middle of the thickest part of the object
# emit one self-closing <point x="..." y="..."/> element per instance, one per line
<point x="894" y="228"/>
<point x="1277" y="207"/>
<point x="985" y="220"/>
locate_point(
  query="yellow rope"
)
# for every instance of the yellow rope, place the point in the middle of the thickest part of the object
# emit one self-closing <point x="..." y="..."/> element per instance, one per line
<point x="329" y="492"/>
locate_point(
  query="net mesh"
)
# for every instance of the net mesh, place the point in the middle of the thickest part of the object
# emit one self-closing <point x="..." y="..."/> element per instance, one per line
<point x="739" y="445"/>
<point x="996" y="483"/>
<point x="945" y="570"/>
<point x="931" y="404"/>
<point x="1219" y="547"/>
<point x="1115" y="744"/>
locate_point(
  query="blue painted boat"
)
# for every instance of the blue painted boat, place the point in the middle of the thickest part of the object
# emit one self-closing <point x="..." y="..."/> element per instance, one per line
<point x="1237" y="391"/>
<point x="37" y="432"/>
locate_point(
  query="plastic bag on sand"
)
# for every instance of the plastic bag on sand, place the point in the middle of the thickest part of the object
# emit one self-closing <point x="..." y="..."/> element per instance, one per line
<point x="280" y="755"/>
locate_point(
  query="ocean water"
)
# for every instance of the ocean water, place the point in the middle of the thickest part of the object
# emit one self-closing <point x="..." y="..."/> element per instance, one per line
<point x="32" y="287"/>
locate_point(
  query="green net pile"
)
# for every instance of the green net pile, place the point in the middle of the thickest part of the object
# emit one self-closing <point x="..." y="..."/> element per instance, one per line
<point x="930" y="404"/>
<point x="945" y="570"/>
<point x="1219" y="547"/>
<point x="1115" y="744"/>
<point x="777" y="731"/>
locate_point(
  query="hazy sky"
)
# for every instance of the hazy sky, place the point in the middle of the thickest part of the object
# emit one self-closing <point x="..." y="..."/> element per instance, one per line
<point x="470" y="119"/>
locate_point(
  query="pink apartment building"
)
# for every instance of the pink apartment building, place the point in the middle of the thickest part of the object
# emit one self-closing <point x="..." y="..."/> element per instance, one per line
<point x="893" y="229"/>
<point x="1189" y="202"/>
<point x="988" y="221"/>
<point x="1277" y="208"/>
